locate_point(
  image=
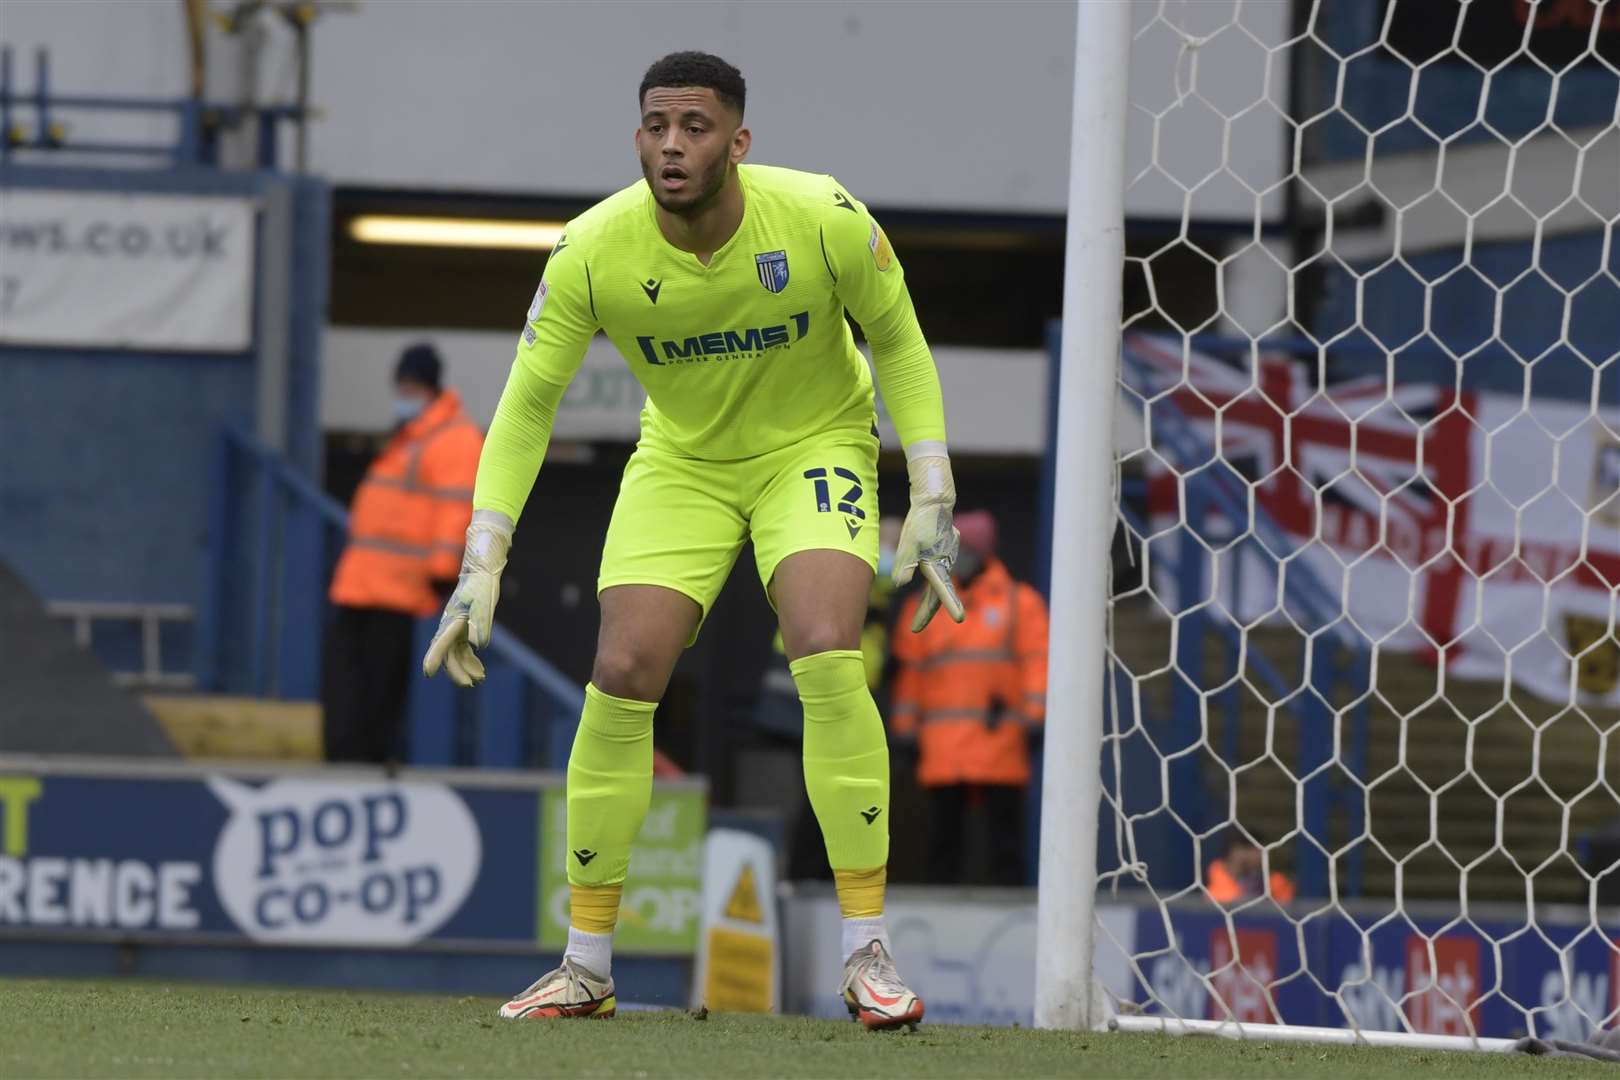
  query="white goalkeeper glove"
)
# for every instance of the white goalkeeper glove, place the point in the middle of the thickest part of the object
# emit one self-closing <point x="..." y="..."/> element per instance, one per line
<point x="470" y="615"/>
<point x="928" y="540"/>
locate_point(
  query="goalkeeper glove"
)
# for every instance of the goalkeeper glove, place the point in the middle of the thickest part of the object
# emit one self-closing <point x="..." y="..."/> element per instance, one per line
<point x="470" y="615"/>
<point x="928" y="540"/>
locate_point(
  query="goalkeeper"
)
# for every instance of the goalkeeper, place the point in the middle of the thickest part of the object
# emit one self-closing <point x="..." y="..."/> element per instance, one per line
<point x="724" y="286"/>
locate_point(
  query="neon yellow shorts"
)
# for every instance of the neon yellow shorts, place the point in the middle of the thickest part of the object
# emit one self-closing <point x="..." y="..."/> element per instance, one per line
<point x="680" y="522"/>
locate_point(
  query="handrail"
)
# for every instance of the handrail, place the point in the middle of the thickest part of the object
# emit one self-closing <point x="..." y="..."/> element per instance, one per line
<point x="84" y="614"/>
<point x="512" y="665"/>
<point x="504" y="644"/>
<point x="198" y="121"/>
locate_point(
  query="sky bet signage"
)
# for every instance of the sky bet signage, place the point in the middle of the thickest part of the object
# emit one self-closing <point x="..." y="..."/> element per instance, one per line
<point x="305" y="858"/>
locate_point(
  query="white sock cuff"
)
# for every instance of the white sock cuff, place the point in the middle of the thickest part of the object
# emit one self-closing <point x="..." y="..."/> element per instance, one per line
<point x="857" y="933"/>
<point x="594" y="952"/>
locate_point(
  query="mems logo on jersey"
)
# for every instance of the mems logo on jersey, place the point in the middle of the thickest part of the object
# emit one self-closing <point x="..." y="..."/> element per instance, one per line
<point x="738" y="344"/>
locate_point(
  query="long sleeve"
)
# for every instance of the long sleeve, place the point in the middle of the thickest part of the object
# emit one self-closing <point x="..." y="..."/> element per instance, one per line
<point x="871" y="283"/>
<point x="561" y="322"/>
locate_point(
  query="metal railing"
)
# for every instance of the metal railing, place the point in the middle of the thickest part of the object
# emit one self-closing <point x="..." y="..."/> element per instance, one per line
<point x="274" y="538"/>
<point x="198" y="123"/>
<point x="149" y="618"/>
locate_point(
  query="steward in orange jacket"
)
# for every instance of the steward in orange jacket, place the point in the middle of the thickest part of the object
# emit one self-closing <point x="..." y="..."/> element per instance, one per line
<point x="970" y="695"/>
<point x="406" y="529"/>
<point x="1240" y="874"/>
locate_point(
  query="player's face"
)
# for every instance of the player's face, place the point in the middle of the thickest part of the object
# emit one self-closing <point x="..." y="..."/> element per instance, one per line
<point x="687" y="142"/>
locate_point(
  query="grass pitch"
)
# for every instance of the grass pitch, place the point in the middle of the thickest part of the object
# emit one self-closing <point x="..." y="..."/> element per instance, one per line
<point x="59" y="1028"/>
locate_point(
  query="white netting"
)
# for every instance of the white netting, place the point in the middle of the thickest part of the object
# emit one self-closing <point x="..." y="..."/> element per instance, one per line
<point x="1370" y="464"/>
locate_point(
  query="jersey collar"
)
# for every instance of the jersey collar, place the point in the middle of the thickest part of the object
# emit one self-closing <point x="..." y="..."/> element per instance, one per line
<point x="723" y="249"/>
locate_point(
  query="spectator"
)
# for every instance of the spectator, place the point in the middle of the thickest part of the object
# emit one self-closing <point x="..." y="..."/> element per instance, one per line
<point x="971" y="696"/>
<point x="402" y="559"/>
<point x="1240" y="875"/>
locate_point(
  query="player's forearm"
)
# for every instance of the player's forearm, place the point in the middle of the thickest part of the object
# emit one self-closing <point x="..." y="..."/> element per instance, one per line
<point x="907" y="376"/>
<point x="517" y="441"/>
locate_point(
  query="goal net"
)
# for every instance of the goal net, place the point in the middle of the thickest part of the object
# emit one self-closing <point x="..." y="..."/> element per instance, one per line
<point x="1361" y="749"/>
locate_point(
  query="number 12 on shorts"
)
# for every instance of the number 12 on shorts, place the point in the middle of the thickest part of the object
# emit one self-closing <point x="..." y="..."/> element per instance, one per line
<point x="823" y="497"/>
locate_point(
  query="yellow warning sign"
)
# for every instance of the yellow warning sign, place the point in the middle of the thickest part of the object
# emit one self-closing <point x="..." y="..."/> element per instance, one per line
<point x="740" y="974"/>
<point x="744" y="903"/>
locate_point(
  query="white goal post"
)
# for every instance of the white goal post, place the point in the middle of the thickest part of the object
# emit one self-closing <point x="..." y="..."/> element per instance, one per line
<point x="1082" y="520"/>
<point x="1334" y="739"/>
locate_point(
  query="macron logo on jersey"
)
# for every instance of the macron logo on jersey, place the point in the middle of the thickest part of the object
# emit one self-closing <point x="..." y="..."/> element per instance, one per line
<point x="723" y="343"/>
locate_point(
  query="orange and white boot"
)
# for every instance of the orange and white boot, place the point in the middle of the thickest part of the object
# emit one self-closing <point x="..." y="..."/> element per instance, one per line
<point x="568" y="992"/>
<point x="874" y="992"/>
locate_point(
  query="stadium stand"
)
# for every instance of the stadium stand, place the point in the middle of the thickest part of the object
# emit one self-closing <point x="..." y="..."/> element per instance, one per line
<point x="59" y="699"/>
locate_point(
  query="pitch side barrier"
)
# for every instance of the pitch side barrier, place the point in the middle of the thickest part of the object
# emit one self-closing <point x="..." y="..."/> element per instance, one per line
<point x="442" y="879"/>
<point x="970" y="953"/>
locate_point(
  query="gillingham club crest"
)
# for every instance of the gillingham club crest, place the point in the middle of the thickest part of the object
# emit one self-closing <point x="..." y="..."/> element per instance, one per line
<point x="773" y="270"/>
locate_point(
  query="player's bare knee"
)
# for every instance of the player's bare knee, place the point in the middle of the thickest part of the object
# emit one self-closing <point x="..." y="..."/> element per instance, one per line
<point x="820" y="638"/>
<point x="625" y="673"/>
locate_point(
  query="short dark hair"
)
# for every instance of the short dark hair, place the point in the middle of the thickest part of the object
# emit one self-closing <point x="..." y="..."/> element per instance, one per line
<point x="697" y="69"/>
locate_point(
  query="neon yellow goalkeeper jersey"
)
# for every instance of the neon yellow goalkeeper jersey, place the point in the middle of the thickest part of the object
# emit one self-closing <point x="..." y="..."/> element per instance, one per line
<point x="740" y="357"/>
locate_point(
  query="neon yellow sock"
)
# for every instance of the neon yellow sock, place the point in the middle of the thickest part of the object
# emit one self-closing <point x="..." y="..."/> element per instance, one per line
<point x="609" y="789"/>
<point x="846" y="759"/>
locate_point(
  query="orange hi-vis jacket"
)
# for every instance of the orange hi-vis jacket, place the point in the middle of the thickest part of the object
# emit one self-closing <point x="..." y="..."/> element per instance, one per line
<point x="409" y="518"/>
<point x="1224" y="888"/>
<point x="954" y="678"/>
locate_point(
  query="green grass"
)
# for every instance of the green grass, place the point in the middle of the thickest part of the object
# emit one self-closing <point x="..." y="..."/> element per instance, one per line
<point x="133" y="1028"/>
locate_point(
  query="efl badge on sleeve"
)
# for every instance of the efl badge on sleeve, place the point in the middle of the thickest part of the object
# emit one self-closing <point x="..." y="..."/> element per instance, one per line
<point x="773" y="270"/>
<point x="882" y="253"/>
<point x="537" y="306"/>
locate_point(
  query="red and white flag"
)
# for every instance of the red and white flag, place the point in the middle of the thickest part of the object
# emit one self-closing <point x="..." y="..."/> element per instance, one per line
<point x="1472" y="527"/>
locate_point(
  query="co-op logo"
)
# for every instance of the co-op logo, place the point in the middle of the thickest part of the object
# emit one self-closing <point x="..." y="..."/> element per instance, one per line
<point x="365" y="862"/>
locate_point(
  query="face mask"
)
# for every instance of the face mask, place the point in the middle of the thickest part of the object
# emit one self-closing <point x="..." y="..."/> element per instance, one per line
<point x="885" y="561"/>
<point x="407" y="409"/>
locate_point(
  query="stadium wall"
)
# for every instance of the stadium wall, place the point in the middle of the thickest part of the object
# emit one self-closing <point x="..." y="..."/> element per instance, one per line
<point x="1545" y="314"/>
<point x="964" y="109"/>
<point x="1451" y="96"/>
<point x="103" y="446"/>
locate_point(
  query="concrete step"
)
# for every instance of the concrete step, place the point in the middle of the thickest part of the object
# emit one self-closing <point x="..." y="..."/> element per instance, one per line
<point x="239" y="728"/>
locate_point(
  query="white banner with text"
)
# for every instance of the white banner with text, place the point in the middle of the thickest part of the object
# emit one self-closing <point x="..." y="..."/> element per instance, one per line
<point x="114" y="271"/>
